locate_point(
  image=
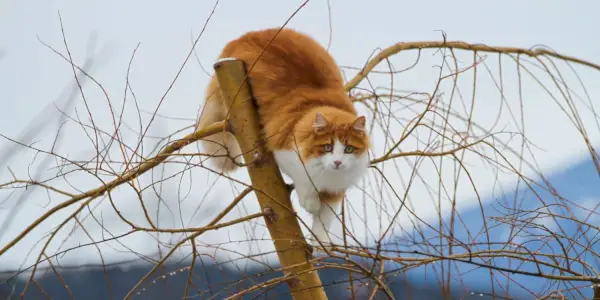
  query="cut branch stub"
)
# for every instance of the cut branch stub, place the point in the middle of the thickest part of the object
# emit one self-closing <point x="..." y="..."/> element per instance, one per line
<point x="268" y="184"/>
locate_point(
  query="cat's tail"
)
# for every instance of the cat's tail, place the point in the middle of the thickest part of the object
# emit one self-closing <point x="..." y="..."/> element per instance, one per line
<point x="221" y="146"/>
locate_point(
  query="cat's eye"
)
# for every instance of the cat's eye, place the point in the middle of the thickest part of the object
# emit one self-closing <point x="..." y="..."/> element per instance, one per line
<point x="349" y="149"/>
<point x="328" y="148"/>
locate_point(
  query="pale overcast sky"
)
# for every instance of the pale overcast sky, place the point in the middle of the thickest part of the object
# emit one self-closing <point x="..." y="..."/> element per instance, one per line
<point x="32" y="76"/>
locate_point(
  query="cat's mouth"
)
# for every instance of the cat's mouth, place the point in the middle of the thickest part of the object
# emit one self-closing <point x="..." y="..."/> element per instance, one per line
<point x="338" y="168"/>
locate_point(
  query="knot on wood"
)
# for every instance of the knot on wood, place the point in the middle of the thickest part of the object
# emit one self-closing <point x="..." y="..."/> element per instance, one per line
<point x="229" y="126"/>
<point x="293" y="282"/>
<point x="258" y="159"/>
<point x="270" y="215"/>
<point x="309" y="251"/>
<point x="290" y="187"/>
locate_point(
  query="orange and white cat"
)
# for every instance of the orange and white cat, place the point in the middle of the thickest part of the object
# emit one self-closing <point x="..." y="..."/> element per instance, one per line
<point x="309" y="123"/>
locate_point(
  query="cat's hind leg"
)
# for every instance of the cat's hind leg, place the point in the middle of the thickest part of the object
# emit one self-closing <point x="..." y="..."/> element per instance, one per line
<point x="222" y="146"/>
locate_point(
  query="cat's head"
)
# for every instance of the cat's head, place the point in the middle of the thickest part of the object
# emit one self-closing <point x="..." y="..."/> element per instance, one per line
<point x="338" y="142"/>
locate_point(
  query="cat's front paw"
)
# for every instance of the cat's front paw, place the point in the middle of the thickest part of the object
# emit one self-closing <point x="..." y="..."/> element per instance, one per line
<point x="311" y="204"/>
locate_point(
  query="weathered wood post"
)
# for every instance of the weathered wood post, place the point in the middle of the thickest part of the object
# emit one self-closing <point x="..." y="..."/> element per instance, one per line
<point x="272" y="193"/>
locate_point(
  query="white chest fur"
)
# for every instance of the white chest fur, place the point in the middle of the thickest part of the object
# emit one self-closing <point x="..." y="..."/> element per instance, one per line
<point x="318" y="175"/>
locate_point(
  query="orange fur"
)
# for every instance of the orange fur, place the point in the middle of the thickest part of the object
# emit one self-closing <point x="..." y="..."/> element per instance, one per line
<point x="292" y="79"/>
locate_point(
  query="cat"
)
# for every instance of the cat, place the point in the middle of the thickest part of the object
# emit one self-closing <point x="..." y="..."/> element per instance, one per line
<point x="308" y="121"/>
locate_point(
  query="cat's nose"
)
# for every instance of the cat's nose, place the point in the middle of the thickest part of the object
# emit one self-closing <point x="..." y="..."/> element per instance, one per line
<point x="337" y="163"/>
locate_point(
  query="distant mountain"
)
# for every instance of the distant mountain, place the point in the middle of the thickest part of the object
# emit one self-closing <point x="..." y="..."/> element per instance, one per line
<point x="211" y="282"/>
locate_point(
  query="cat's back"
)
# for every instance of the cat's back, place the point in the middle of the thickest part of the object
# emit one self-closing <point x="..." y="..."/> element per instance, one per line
<point x="287" y="59"/>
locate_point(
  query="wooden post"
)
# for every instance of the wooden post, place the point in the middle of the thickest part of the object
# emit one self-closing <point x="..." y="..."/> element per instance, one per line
<point x="272" y="193"/>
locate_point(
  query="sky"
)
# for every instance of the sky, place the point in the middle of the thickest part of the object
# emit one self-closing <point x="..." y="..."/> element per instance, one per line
<point x="34" y="81"/>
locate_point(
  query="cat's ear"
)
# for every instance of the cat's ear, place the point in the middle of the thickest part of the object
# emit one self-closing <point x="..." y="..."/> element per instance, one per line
<point x="319" y="123"/>
<point x="359" y="124"/>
